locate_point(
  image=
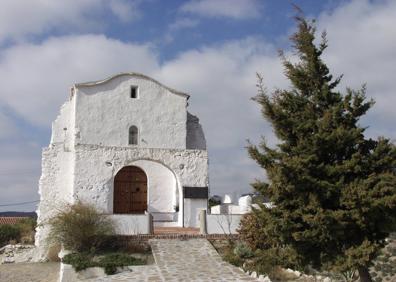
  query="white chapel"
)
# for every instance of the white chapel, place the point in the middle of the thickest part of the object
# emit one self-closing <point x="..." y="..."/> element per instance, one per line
<point x="127" y="145"/>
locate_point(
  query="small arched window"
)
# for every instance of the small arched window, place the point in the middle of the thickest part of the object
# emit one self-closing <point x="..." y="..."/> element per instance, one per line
<point x="133" y="135"/>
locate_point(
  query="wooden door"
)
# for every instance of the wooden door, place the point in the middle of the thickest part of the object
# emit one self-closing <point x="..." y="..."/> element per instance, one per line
<point x="130" y="190"/>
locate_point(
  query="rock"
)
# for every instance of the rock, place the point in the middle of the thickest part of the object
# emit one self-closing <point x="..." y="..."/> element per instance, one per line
<point x="63" y="253"/>
<point x="295" y="272"/>
<point x="264" y="278"/>
<point x="8" y="260"/>
<point x="17" y="253"/>
<point x="91" y="272"/>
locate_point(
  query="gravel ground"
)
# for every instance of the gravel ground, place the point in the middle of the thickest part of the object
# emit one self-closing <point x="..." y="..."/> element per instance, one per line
<point x="29" y="272"/>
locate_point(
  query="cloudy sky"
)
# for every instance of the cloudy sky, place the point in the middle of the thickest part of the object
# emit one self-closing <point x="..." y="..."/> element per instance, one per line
<point x="208" y="48"/>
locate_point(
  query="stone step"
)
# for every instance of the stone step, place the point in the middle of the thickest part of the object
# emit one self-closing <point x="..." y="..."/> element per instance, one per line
<point x="175" y="230"/>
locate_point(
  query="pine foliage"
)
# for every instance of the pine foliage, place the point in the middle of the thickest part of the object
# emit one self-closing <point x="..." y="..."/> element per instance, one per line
<point x="334" y="190"/>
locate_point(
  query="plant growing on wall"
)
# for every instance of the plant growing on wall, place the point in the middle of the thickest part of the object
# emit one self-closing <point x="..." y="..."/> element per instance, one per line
<point x="334" y="190"/>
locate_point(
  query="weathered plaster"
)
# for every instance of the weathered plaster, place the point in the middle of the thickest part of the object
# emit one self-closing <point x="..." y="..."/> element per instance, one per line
<point x="55" y="189"/>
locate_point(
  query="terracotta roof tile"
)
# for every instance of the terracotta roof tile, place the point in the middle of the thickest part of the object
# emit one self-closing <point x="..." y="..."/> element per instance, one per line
<point x="10" y="219"/>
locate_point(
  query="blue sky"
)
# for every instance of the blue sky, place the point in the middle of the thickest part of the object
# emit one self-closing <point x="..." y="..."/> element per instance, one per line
<point x="208" y="48"/>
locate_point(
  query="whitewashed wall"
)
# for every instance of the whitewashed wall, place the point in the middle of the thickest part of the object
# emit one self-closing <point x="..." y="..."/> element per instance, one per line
<point x="55" y="189"/>
<point x="161" y="186"/>
<point x="222" y="223"/>
<point x="105" y="112"/>
<point x="192" y="208"/>
<point x="96" y="166"/>
<point x="89" y="145"/>
<point x="128" y="224"/>
<point x="63" y="125"/>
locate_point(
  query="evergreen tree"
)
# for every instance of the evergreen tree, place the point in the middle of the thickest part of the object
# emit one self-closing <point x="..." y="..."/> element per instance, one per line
<point x="334" y="190"/>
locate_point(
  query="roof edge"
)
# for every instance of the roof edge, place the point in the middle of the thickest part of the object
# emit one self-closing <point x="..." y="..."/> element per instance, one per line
<point x="103" y="81"/>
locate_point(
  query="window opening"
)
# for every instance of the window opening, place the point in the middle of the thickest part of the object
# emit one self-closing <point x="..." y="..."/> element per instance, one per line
<point x="133" y="135"/>
<point x="134" y="92"/>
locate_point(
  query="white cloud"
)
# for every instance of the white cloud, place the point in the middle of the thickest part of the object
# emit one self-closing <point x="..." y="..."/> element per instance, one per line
<point x="221" y="80"/>
<point x="235" y="9"/>
<point x="22" y="18"/>
<point x="36" y="78"/>
<point x="125" y="10"/>
<point x="362" y="46"/>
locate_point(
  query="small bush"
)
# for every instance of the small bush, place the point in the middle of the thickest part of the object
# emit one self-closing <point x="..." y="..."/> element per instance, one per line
<point x="242" y="250"/>
<point x="27" y="230"/>
<point x="228" y="254"/>
<point x="250" y="231"/>
<point x="79" y="261"/>
<point x="80" y="228"/>
<point x="232" y="258"/>
<point x="109" y="262"/>
<point x="9" y="233"/>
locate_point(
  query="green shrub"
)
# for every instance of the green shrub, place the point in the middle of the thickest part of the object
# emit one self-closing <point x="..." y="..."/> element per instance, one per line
<point x="80" y="228"/>
<point x="229" y="255"/>
<point x="109" y="262"/>
<point x="250" y="230"/>
<point x="27" y="230"/>
<point x="79" y="261"/>
<point x="232" y="258"/>
<point x="9" y="232"/>
<point x="242" y="250"/>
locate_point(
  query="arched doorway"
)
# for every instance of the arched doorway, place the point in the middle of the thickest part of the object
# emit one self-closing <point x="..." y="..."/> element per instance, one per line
<point x="130" y="190"/>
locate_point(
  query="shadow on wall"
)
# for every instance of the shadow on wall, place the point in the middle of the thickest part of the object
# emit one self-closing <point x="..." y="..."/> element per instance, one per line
<point x="195" y="135"/>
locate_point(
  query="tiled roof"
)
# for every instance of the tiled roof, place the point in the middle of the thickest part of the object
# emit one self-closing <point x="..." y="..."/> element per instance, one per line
<point x="10" y="219"/>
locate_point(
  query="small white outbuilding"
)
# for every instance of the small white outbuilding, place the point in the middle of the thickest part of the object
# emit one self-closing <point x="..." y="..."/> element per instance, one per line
<point x="127" y="145"/>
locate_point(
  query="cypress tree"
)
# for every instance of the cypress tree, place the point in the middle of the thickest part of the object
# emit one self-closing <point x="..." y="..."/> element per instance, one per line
<point x="333" y="189"/>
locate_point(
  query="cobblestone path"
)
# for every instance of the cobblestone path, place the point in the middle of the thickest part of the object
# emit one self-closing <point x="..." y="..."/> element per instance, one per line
<point x="29" y="272"/>
<point x="193" y="260"/>
<point x="182" y="260"/>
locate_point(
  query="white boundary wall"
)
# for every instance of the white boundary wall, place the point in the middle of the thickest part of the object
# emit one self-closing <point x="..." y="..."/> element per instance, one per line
<point x="223" y="223"/>
<point x="127" y="224"/>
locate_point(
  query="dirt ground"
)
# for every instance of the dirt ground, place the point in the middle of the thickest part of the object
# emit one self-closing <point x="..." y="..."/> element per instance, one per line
<point x="29" y="272"/>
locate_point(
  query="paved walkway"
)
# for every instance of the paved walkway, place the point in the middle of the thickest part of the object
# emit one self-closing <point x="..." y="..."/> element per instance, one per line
<point x="182" y="260"/>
